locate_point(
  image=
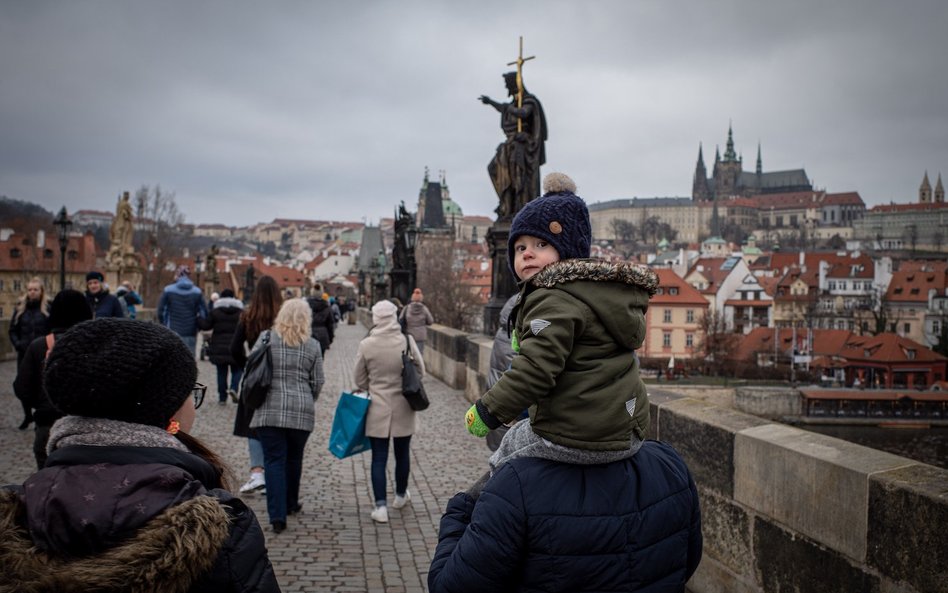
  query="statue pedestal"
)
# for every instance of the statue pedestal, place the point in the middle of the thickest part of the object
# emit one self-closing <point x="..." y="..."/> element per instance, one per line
<point x="121" y="269"/>
<point x="502" y="282"/>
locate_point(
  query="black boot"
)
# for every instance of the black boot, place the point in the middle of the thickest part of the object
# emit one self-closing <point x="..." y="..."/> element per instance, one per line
<point x="26" y="423"/>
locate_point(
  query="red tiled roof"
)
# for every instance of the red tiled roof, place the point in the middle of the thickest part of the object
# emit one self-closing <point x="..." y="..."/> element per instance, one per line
<point x="888" y="347"/>
<point x="909" y="207"/>
<point x="850" y="198"/>
<point x="912" y="283"/>
<point x="687" y="294"/>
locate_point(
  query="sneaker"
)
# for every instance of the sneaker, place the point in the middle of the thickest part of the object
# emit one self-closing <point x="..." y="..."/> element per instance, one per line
<point x="233" y="395"/>
<point x="401" y="501"/>
<point x="380" y="515"/>
<point x="256" y="482"/>
<point x="278" y="526"/>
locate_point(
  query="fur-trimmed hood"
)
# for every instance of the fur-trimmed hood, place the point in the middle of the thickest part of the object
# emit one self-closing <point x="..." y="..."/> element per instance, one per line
<point x="169" y="554"/>
<point x="595" y="270"/>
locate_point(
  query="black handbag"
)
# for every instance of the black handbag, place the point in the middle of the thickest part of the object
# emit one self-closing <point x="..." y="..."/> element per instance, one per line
<point x="258" y="373"/>
<point x="412" y="388"/>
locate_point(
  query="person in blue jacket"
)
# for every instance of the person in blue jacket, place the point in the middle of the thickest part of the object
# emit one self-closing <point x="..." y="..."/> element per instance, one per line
<point x="181" y="306"/>
<point x="571" y="520"/>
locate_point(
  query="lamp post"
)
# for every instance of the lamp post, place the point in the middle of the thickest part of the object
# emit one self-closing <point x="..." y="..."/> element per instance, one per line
<point x="63" y="222"/>
<point x="411" y="237"/>
<point x="197" y="271"/>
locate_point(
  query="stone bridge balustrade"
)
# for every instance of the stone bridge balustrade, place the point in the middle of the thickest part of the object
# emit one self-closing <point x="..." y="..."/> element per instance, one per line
<point x="783" y="509"/>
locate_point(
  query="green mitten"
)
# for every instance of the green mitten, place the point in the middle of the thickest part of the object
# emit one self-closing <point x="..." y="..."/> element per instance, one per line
<point x="475" y="425"/>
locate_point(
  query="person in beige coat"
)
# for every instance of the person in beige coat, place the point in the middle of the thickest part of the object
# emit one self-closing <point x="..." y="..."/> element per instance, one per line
<point x="378" y="370"/>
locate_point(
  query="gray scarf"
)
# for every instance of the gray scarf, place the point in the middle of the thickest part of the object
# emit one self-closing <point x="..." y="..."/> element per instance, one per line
<point x="103" y="432"/>
<point x="521" y="441"/>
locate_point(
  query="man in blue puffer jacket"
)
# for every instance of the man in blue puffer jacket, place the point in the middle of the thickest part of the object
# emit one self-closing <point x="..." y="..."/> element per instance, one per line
<point x="180" y="307"/>
<point x="571" y="520"/>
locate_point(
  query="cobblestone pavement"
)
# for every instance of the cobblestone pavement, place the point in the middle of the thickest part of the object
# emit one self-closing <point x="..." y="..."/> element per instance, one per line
<point x="333" y="544"/>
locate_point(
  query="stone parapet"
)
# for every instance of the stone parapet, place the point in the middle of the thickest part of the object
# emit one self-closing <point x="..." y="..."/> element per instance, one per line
<point x="783" y="509"/>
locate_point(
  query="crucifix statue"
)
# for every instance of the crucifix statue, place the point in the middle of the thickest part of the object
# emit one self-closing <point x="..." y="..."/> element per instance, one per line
<point x="515" y="168"/>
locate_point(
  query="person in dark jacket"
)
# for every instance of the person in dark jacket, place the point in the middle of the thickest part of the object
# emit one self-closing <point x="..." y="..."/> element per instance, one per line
<point x="415" y="318"/>
<point x="571" y="522"/>
<point x="181" y="306"/>
<point x="30" y="321"/>
<point x="127" y="295"/>
<point x="100" y="301"/>
<point x="68" y="308"/>
<point x="223" y="323"/>
<point x="128" y="501"/>
<point x="323" y="322"/>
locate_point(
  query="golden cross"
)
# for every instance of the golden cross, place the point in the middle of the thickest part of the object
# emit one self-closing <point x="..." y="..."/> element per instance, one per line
<point x="519" y="62"/>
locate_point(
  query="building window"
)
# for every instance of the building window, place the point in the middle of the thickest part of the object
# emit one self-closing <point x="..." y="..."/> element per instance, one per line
<point x="673" y="290"/>
<point x="48" y="253"/>
<point x="667" y="316"/>
<point x="17" y="286"/>
<point x="936" y="327"/>
<point x="690" y="316"/>
<point x="689" y="340"/>
<point x="15" y="252"/>
<point x="666" y="340"/>
<point x="907" y="328"/>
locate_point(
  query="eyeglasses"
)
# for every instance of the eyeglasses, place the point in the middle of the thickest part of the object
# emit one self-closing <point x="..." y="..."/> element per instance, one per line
<point x="197" y="392"/>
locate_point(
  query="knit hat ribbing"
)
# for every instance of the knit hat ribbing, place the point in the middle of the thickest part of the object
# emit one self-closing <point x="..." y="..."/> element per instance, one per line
<point x="122" y="369"/>
<point x="559" y="217"/>
<point x="94" y="275"/>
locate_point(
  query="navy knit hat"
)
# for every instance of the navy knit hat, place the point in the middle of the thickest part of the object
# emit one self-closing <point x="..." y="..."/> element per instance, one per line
<point x="121" y="369"/>
<point x="559" y="217"/>
<point x="94" y="275"/>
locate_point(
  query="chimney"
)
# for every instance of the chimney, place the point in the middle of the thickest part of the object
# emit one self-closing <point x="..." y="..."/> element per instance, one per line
<point x="802" y="258"/>
<point x="41" y="239"/>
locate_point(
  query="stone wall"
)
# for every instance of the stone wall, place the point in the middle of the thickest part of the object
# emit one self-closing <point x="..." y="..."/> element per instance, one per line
<point x="783" y="509"/>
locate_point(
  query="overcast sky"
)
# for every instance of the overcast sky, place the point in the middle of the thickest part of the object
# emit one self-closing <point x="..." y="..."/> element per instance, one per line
<point x="250" y="111"/>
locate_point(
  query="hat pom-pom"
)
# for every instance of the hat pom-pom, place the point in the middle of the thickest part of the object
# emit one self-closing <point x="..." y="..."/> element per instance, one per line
<point x="555" y="183"/>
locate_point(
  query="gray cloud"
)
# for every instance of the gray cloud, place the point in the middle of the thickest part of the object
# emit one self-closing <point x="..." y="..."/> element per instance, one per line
<point x="333" y="109"/>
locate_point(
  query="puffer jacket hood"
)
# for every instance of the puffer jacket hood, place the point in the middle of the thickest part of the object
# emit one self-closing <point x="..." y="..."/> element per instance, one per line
<point x="618" y="307"/>
<point x="225" y="302"/>
<point x="168" y="554"/>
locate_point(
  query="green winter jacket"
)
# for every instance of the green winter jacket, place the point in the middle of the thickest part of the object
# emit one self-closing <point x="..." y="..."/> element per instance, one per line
<point x="578" y="322"/>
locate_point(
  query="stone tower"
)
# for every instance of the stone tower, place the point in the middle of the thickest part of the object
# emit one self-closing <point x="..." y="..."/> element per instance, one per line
<point x="700" y="192"/>
<point x="925" y="191"/>
<point x="727" y="170"/>
<point x="939" y="191"/>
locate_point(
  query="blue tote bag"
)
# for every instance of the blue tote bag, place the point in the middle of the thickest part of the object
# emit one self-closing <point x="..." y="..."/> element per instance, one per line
<point x="348" y="425"/>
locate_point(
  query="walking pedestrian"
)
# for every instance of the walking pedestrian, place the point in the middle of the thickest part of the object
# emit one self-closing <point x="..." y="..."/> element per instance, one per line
<point x="128" y="500"/>
<point x="30" y="320"/>
<point x="378" y="370"/>
<point x="323" y="328"/>
<point x="181" y="306"/>
<point x="416" y="318"/>
<point x="257" y="317"/>
<point x="288" y="414"/>
<point x="222" y="325"/>
<point x="68" y="309"/>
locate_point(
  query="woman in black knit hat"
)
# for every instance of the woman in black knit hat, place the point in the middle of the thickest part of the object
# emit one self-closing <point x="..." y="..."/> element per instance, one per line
<point x="127" y="499"/>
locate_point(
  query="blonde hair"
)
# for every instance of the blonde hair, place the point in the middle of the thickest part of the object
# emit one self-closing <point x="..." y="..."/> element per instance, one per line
<point x="44" y="300"/>
<point x="293" y="322"/>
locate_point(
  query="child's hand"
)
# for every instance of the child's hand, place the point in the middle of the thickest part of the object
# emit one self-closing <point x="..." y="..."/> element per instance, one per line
<point x="479" y="420"/>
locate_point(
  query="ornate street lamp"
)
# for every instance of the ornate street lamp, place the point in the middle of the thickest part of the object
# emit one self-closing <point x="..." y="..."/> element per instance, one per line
<point x="411" y="237"/>
<point x="63" y="222"/>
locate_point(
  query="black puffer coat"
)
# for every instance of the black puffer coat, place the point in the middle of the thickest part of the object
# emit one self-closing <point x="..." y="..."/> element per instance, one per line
<point x="322" y="322"/>
<point x="25" y="327"/>
<point x="632" y="525"/>
<point x="223" y="323"/>
<point x="122" y="518"/>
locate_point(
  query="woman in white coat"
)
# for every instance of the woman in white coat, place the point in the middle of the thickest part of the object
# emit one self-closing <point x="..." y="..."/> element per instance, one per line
<point x="378" y="370"/>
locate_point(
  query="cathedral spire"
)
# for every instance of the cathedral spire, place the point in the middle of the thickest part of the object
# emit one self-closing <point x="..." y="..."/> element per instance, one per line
<point x="939" y="191"/>
<point x="699" y="184"/>
<point x="925" y="190"/>
<point x="729" y="154"/>
<point x="760" y="166"/>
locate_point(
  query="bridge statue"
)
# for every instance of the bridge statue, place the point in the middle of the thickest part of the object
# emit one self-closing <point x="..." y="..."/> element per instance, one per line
<point x="515" y="168"/>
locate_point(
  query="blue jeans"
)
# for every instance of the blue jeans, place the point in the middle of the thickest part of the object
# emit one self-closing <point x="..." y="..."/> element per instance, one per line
<point x="235" y="374"/>
<point x="256" y="452"/>
<point x="380" y="460"/>
<point x="190" y="342"/>
<point x="283" y="466"/>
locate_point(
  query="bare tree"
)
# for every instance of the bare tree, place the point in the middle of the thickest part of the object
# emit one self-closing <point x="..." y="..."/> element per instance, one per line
<point x="877" y="311"/>
<point x="451" y="301"/>
<point x="157" y="237"/>
<point x="911" y="236"/>
<point x="716" y="343"/>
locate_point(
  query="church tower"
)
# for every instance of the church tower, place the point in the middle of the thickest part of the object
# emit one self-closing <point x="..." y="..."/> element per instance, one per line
<point x="925" y="191"/>
<point x="728" y="170"/>
<point x="700" y="192"/>
<point x="939" y="191"/>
